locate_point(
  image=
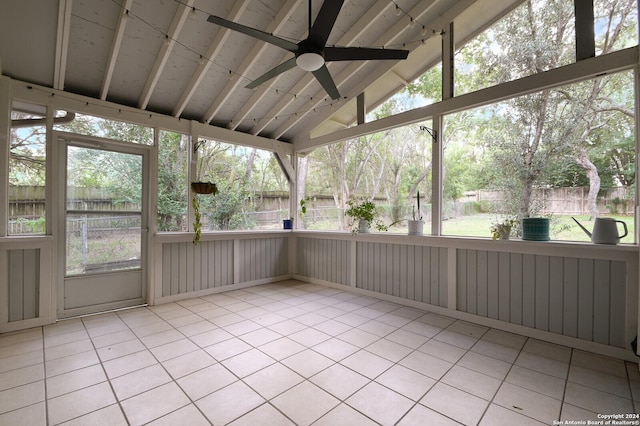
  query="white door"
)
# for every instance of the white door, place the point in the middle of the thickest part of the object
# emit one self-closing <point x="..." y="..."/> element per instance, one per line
<point x="103" y="230"/>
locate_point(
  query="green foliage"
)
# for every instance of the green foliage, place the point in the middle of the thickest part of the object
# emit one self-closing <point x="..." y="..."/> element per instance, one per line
<point x="27" y="153"/>
<point x="303" y="204"/>
<point x="366" y="210"/>
<point x="172" y="181"/>
<point x="197" y="224"/>
<point x="226" y="209"/>
<point x="536" y="140"/>
<point x="502" y="228"/>
<point x="428" y="85"/>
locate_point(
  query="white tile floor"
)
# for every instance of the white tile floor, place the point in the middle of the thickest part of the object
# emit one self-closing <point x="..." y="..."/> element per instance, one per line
<point x="296" y="353"/>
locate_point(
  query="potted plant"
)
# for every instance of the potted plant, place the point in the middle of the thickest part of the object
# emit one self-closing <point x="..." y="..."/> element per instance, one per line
<point x="200" y="188"/>
<point x="204" y="187"/>
<point x="502" y="229"/>
<point x="304" y="204"/>
<point x="535" y="228"/>
<point x="415" y="224"/>
<point x="363" y="213"/>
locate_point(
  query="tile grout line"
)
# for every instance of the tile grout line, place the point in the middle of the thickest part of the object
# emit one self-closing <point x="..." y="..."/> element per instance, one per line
<point x="44" y="370"/>
<point x="105" y="374"/>
<point x="566" y="384"/>
<point x="175" y="381"/>
<point x="313" y="309"/>
<point x="502" y="383"/>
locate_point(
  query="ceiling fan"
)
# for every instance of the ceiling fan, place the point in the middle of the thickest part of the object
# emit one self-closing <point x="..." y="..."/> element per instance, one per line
<point x="311" y="54"/>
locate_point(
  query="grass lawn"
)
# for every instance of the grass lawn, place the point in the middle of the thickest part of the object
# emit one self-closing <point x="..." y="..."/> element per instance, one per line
<point x="562" y="227"/>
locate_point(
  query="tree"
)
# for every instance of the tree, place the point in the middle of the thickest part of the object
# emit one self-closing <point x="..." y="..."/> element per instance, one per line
<point x="523" y="137"/>
<point x="172" y="181"/>
<point x="27" y="153"/>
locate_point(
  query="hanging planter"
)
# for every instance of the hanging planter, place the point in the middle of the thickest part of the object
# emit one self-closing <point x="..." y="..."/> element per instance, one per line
<point x="200" y="188"/>
<point x="204" y="188"/>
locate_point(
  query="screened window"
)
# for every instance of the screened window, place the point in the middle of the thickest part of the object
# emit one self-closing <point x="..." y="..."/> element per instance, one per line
<point x="536" y="36"/>
<point x="616" y="25"/>
<point x="253" y="191"/>
<point x="173" y="184"/>
<point x="556" y="153"/>
<point x="388" y="168"/>
<point x="90" y="125"/>
<point x="27" y="170"/>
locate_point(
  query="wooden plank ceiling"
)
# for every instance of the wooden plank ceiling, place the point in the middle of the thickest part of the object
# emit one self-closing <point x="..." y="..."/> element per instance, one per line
<point x="163" y="56"/>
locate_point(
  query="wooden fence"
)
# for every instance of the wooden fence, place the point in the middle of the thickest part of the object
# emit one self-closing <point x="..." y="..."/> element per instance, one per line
<point x="27" y="202"/>
<point x="566" y="201"/>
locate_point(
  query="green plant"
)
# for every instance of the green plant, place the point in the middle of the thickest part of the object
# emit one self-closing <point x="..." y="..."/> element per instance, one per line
<point x="413" y="211"/>
<point x="364" y="210"/>
<point x="197" y="224"/>
<point x="303" y="204"/>
<point x="615" y="204"/>
<point x="502" y="229"/>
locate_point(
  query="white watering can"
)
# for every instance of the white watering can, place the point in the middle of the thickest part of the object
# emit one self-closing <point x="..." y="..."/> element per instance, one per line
<point x="605" y="231"/>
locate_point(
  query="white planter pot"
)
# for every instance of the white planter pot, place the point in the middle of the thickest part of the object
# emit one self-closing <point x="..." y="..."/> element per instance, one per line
<point x="504" y="231"/>
<point x="415" y="227"/>
<point x="363" y="226"/>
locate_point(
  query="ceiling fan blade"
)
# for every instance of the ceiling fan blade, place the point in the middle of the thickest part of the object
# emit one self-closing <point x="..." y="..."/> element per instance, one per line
<point x="285" y="66"/>
<point x="324" y="78"/>
<point x="362" y="54"/>
<point x="252" y="32"/>
<point x="324" y="22"/>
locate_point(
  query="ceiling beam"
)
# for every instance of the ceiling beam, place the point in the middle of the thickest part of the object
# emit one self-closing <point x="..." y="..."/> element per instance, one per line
<point x="165" y="50"/>
<point x="214" y="49"/>
<point x="339" y="123"/>
<point x="365" y="22"/>
<point x="419" y="12"/>
<point x="391" y="35"/>
<point x="258" y="49"/>
<point x="462" y="37"/>
<point x="395" y="74"/>
<point x="115" y="48"/>
<point x="62" y="43"/>
<point x="256" y="98"/>
<point x="556" y="77"/>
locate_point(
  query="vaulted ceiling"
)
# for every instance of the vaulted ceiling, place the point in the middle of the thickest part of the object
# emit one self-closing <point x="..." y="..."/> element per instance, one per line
<point x="164" y="56"/>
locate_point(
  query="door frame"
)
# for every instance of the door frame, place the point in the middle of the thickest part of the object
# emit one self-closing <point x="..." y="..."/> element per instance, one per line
<point x="62" y="141"/>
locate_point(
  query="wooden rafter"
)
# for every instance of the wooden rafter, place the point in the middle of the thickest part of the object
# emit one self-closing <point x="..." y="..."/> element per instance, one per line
<point x="365" y="22"/>
<point x="115" y="48"/>
<point x="62" y="43"/>
<point x="165" y="50"/>
<point x="258" y="49"/>
<point x="214" y="49"/>
<point x="391" y="35"/>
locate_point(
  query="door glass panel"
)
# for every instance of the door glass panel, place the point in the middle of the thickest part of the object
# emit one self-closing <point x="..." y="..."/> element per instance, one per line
<point x="103" y="211"/>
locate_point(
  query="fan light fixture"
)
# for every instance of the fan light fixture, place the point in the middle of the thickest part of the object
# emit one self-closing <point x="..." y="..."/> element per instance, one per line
<point x="312" y="52"/>
<point x="310" y="61"/>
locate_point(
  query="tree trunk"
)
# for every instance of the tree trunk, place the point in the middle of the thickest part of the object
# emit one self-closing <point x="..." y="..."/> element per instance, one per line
<point x="594" y="181"/>
<point x="527" y="192"/>
<point x="250" y="161"/>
